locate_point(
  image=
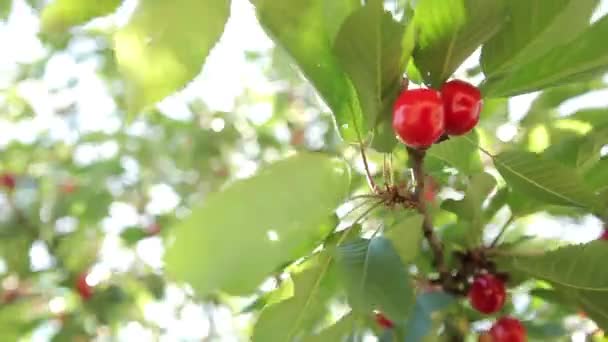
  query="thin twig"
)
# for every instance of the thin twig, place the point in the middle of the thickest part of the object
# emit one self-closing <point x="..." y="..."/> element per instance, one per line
<point x="417" y="157"/>
<point x="502" y="231"/>
<point x="368" y="175"/>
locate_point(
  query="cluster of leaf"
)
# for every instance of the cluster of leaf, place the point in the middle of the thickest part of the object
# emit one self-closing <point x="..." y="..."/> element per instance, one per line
<point x="330" y="271"/>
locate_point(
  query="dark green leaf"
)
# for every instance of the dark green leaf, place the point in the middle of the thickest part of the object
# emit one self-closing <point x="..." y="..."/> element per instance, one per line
<point x="578" y="266"/>
<point x="578" y="60"/>
<point x="300" y="28"/>
<point x="406" y="236"/>
<point x="165" y="45"/>
<point x="450" y="31"/>
<point x="257" y="217"/>
<point x="544" y="180"/>
<point x="459" y="152"/>
<point x="469" y="210"/>
<point x="375" y="277"/>
<point x="420" y="321"/>
<point x="533" y="28"/>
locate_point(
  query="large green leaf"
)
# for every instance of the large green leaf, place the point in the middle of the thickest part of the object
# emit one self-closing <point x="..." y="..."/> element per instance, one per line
<point x="577" y="266"/>
<point x="593" y="303"/>
<point x="406" y="236"/>
<point x="459" y="152"/>
<point x="300" y="28"/>
<point x="450" y="31"/>
<point x="298" y="315"/>
<point x="375" y="277"/>
<point x="165" y="45"/>
<point x="337" y="332"/>
<point x="256" y="225"/>
<point x="544" y="180"/>
<point x="469" y="210"/>
<point x="581" y="59"/>
<point x="368" y="47"/>
<point x="60" y="15"/>
<point x="533" y="28"/>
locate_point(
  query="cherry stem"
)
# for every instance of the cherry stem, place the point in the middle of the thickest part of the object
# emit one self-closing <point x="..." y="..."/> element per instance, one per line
<point x="417" y="158"/>
<point x="368" y="175"/>
<point x="502" y="231"/>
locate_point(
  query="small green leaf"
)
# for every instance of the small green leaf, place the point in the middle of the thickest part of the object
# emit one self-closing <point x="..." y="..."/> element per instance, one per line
<point x="300" y="28"/>
<point x="450" y="31"/>
<point x="296" y="316"/>
<point x="132" y="235"/>
<point x="257" y="217"/>
<point x="589" y="150"/>
<point x="534" y="28"/>
<point x="60" y="15"/>
<point x="469" y="210"/>
<point x="459" y="152"/>
<point x="582" y="58"/>
<point x="544" y="180"/>
<point x="5" y="8"/>
<point x="406" y="236"/>
<point x="165" y="45"/>
<point x="578" y="266"/>
<point x="375" y="277"/>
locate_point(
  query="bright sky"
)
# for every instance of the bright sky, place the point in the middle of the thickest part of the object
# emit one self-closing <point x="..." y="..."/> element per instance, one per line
<point x="225" y="76"/>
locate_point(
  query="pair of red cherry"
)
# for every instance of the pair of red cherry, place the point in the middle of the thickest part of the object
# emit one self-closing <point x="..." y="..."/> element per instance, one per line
<point x="487" y="295"/>
<point x="422" y="116"/>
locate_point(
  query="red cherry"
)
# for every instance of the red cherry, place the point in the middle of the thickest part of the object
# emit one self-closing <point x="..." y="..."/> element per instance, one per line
<point x="68" y="187"/>
<point x="508" y="329"/>
<point x="84" y="289"/>
<point x="461" y="105"/>
<point x="8" y="180"/>
<point x="383" y="321"/>
<point x="418" y="117"/>
<point x="153" y="229"/>
<point x="487" y="293"/>
<point x="604" y="235"/>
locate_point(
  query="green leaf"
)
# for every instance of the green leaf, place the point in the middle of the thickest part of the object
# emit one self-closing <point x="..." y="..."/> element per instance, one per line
<point x="577" y="266"/>
<point x="257" y="217"/>
<point x="459" y="152"/>
<point x="368" y="47"/>
<point x="375" y="277"/>
<point x="581" y="59"/>
<point x="406" y="237"/>
<point x="294" y="317"/>
<point x="533" y="29"/>
<point x="5" y="8"/>
<point x="589" y="150"/>
<point x="596" y="176"/>
<point x="132" y="235"/>
<point x="469" y="210"/>
<point x="450" y="31"/>
<point x="60" y="15"/>
<point x="337" y="332"/>
<point x="165" y="45"/>
<point x="300" y="28"/>
<point x="421" y="320"/>
<point x="593" y="303"/>
<point x="544" y="180"/>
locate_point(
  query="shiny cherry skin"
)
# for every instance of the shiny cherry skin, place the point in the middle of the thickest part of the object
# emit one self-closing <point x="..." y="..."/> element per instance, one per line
<point x="84" y="290"/>
<point x="383" y="321"/>
<point x="461" y="105"/>
<point x="8" y="180"/>
<point x="418" y="118"/>
<point x="508" y="329"/>
<point x="604" y="235"/>
<point x="487" y="293"/>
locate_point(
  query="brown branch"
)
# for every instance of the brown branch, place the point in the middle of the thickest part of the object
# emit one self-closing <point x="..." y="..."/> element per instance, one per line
<point x="417" y="158"/>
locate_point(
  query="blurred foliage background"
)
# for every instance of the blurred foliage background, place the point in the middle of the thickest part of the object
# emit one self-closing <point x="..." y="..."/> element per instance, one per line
<point x="96" y="190"/>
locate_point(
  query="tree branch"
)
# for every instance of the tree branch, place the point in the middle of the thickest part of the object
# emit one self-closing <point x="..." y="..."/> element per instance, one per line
<point x="417" y="158"/>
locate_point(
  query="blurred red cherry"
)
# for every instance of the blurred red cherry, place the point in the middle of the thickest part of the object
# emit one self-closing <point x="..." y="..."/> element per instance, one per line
<point x="383" y="321"/>
<point x="8" y="180"/>
<point x="508" y="329"/>
<point x="84" y="289"/>
<point x="153" y="229"/>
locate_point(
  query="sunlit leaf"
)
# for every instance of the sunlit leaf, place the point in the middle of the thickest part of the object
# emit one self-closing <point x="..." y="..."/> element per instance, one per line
<point x="60" y="15"/>
<point x="165" y="45"/>
<point x="450" y="31"/>
<point x="458" y="152"/>
<point x="533" y="28"/>
<point x="269" y="219"/>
